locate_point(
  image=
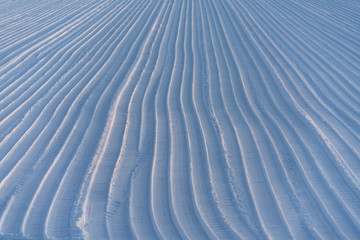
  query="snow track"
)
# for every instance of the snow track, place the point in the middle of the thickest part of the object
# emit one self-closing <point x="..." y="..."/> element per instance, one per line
<point x="193" y="119"/>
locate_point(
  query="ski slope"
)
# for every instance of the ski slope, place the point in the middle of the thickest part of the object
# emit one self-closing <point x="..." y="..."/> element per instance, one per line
<point x="184" y="119"/>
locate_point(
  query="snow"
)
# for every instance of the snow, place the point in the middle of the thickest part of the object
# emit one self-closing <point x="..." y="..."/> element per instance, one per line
<point x="192" y="119"/>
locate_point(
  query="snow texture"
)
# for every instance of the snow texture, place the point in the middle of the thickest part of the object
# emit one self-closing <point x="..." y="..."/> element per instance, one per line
<point x="180" y="119"/>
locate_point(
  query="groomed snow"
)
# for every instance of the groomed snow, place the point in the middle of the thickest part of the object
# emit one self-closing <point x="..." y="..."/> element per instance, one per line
<point x="184" y="119"/>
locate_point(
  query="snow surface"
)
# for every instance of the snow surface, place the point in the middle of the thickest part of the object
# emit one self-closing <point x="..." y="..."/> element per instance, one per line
<point x="191" y="119"/>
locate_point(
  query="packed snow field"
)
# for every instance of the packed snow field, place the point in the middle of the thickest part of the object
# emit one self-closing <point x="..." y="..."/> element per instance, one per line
<point x="192" y="119"/>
